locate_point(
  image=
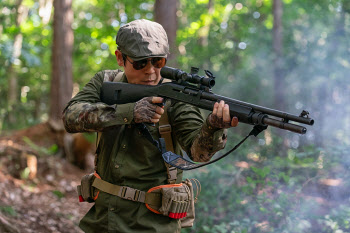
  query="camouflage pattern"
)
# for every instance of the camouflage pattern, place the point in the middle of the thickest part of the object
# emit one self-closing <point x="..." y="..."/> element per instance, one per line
<point x="86" y="117"/>
<point x="85" y="112"/>
<point x="208" y="142"/>
<point x="111" y="75"/>
<point x="144" y="110"/>
<point x="217" y="122"/>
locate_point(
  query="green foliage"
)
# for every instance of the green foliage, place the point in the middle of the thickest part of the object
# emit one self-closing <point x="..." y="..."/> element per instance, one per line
<point x="273" y="193"/>
<point x="8" y="210"/>
<point x="25" y="173"/>
<point x="90" y="137"/>
<point x="337" y="221"/>
<point x="42" y="150"/>
<point x="234" y="40"/>
<point x="58" y="194"/>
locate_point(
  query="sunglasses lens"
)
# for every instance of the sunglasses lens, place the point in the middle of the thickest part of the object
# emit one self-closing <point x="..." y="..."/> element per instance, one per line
<point x="158" y="62"/>
<point x="138" y="65"/>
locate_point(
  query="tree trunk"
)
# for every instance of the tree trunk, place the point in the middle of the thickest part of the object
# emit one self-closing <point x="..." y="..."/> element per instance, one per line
<point x="62" y="84"/>
<point x="12" y="97"/>
<point x="165" y="14"/>
<point x="278" y="55"/>
<point x="62" y="77"/>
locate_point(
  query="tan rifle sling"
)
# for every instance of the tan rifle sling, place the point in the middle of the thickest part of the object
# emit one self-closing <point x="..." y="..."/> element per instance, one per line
<point x="165" y="132"/>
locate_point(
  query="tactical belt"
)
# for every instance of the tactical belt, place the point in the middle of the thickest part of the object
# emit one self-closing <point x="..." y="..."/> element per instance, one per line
<point x="173" y="200"/>
<point x="128" y="193"/>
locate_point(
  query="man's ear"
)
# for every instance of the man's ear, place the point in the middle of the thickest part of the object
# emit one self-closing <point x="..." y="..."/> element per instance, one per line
<point x="120" y="59"/>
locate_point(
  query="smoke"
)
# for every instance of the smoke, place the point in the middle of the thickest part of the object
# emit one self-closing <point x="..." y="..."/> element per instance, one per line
<point x="307" y="189"/>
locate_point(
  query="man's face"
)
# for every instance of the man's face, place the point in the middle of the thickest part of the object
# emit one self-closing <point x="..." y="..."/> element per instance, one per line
<point x="146" y="76"/>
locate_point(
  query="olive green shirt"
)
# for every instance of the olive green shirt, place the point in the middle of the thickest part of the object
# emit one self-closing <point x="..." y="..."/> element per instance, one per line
<point x="127" y="158"/>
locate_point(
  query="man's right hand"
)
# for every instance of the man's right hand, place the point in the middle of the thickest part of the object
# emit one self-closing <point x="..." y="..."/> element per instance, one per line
<point x="146" y="110"/>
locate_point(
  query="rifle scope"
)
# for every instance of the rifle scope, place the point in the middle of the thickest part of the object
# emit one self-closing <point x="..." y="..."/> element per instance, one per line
<point x="193" y="77"/>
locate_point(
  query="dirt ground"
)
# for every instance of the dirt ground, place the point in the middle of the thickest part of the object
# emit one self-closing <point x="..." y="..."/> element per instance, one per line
<point x="47" y="202"/>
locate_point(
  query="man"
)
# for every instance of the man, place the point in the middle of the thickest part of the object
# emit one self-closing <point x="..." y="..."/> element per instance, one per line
<point x="125" y="156"/>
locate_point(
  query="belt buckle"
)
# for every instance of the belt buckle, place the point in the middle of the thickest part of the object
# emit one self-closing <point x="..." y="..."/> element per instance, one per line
<point x="128" y="193"/>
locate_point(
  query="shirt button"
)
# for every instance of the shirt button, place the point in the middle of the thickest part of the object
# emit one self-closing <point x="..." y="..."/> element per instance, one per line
<point x="117" y="166"/>
<point x="125" y="120"/>
<point x="124" y="146"/>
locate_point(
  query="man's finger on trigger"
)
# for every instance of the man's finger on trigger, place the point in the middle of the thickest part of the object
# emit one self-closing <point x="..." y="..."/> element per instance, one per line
<point x="157" y="100"/>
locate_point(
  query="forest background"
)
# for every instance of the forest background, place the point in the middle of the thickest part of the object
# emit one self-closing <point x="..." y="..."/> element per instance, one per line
<point x="288" y="55"/>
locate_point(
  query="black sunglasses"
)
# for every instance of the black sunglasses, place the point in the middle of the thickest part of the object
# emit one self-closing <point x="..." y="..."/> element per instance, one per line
<point x="157" y="62"/>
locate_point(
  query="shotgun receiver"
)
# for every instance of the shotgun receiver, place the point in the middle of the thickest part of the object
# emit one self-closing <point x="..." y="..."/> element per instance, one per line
<point x="196" y="90"/>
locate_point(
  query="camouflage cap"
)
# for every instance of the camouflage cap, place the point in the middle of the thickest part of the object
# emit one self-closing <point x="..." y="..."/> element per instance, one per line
<point x="142" y="38"/>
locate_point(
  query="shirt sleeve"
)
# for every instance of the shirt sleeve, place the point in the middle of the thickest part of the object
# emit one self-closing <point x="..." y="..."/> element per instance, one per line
<point x="192" y="132"/>
<point x="86" y="113"/>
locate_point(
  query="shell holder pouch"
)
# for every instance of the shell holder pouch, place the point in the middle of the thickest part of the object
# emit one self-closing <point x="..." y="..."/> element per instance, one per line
<point x="177" y="201"/>
<point x="85" y="190"/>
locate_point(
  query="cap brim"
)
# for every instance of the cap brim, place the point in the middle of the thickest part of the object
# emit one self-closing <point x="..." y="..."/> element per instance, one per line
<point x="141" y="58"/>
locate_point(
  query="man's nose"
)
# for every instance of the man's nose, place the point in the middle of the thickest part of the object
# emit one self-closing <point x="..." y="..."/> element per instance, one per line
<point x="149" y="68"/>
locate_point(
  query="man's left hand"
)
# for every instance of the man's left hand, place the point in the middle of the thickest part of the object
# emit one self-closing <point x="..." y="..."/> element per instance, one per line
<point x="220" y="117"/>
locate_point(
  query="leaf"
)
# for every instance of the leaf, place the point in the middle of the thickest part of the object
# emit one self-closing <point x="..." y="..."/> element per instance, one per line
<point x="25" y="173"/>
<point x="8" y="210"/>
<point x="249" y="180"/>
<point x="42" y="150"/>
<point x="58" y="194"/>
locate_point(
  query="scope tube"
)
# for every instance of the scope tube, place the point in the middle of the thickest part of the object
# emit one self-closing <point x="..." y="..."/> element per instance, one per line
<point x="177" y="74"/>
